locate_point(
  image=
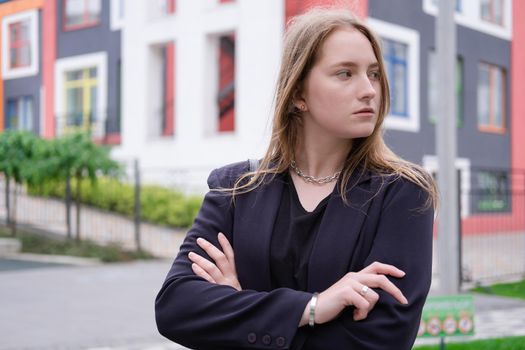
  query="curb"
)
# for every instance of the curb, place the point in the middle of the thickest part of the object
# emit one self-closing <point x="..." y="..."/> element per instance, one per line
<point x="56" y="259"/>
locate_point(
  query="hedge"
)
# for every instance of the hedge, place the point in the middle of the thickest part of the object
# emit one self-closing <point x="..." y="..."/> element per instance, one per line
<point x="159" y="205"/>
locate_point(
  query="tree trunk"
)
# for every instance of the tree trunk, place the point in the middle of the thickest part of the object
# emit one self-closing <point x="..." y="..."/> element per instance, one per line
<point x="68" y="206"/>
<point x="77" y="200"/>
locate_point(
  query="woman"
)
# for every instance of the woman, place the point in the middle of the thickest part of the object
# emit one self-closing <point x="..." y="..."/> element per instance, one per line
<point x="328" y="243"/>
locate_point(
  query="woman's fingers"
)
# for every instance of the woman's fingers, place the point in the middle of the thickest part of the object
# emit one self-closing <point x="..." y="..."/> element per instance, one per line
<point x="206" y="265"/>
<point x="220" y="259"/>
<point x="222" y="269"/>
<point x="370" y="296"/>
<point x="199" y="271"/>
<point x="226" y="248"/>
<point x="381" y="281"/>
<point x="383" y="269"/>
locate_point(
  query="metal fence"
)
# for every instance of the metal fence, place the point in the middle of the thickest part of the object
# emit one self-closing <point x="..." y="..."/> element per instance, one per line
<point x="492" y="226"/>
<point x="492" y="222"/>
<point x="20" y="210"/>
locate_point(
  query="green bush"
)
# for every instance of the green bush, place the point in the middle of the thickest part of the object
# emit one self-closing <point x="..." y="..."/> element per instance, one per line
<point x="159" y="205"/>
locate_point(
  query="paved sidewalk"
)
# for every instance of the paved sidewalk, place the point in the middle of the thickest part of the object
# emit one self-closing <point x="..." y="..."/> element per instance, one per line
<point x="111" y="307"/>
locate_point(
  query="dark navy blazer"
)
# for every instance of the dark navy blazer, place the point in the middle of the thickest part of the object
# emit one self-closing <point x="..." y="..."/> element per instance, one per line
<point x="385" y="221"/>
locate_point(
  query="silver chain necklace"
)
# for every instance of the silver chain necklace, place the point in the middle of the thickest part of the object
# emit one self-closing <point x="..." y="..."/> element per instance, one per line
<point x="312" y="179"/>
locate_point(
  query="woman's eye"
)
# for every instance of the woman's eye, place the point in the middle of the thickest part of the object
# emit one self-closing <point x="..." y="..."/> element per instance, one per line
<point x="374" y="75"/>
<point x="344" y="74"/>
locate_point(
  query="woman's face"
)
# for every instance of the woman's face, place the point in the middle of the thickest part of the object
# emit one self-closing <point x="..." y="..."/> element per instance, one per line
<point x="342" y="90"/>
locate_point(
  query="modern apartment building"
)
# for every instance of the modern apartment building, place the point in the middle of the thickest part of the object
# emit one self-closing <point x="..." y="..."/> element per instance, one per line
<point x="187" y="85"/>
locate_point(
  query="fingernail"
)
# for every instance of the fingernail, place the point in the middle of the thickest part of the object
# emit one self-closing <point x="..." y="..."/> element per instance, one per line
<point x="200" y="240"/>
<point x="405" y="301"/>
<point x="191" y="254"/>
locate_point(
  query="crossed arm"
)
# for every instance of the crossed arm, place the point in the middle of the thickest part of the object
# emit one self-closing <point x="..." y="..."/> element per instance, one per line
<point x="352" y="289"/>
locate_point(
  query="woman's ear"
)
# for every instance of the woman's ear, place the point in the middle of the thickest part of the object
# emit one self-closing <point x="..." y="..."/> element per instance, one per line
<point x="298" y="101"/>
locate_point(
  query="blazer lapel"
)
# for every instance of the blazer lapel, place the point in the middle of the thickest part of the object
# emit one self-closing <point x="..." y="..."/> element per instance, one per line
<point x="338" y="234"/>
<point x="255" y="216"/>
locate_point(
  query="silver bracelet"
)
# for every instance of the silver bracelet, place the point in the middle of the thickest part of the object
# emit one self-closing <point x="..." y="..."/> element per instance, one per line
<point x="313" y="303"/>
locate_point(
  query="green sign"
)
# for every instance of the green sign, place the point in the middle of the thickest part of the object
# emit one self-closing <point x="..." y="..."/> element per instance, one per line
<point x="447" y="316"/>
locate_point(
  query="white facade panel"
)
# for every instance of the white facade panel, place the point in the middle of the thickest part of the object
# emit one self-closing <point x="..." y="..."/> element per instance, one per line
<point x="196" y="148"/>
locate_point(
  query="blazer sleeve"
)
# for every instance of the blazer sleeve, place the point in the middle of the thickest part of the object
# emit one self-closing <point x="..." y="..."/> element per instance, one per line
<point x="403" y="239"/>
<point x="201" y="315"/>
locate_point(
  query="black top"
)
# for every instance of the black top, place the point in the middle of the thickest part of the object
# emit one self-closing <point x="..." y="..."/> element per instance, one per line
<point x="293" y="238"/>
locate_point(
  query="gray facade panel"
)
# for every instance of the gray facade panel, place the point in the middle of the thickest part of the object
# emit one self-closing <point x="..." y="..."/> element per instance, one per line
<point x="95" y="39"/>
<point x="483" y="149"/>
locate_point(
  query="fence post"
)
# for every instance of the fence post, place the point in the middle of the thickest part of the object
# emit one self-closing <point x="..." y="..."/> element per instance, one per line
<point x="460" y="232"/>
<point x="68" y="206"/>
<point x="7" y="204"/>
<point x="137" y="204"/>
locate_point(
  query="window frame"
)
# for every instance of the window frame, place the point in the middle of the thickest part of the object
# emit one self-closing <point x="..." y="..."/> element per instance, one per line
<point x="491" y="127"/>
<point x="491" y="19"/>
<point x="85" y="83"/>
<point x="72" y="63"/>
<point x="31" y="69"/>
<point x="484" y="195"/>
<point x="117" y="9"/>
<point x="470" y="16"/>
<point x="19" y="102"/>
<point x="409" y="37"/>
<point x="86" y="24"/>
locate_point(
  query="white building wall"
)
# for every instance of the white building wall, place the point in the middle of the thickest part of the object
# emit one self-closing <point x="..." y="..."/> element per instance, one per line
<point x="187" y="157"/>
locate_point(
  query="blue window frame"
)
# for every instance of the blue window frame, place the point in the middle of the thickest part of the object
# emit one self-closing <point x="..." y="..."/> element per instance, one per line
<point x="395" y="55"/>
<point x="20" y="113"/>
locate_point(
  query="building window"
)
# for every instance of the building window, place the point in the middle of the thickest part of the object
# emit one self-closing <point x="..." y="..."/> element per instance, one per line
<point x="433" y="101"/>
<point x="81" y="98"/>
<point x="395" y="55"/>
<point x="117" y="14"/>
<point x="493" y="17"/>
<point x="20" y="45"/>
<point x="226" y="95"/>
<point x="20" y="113"/>
<point x="492" y="11"/>
<point x="491" y="98"/>
<point x="162" y="8"/>
<point x="168" y="90"/>
<point x="458" y="7"/>
<point x="81" y="13"/>
<point x="400" y="47"/>
<point x="81" y="94"/>
<point x="492" y="191"/>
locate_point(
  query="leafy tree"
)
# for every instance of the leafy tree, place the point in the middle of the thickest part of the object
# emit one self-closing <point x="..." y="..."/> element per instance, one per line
<point x="76" y="156"/>
<point x="18" y="151"/>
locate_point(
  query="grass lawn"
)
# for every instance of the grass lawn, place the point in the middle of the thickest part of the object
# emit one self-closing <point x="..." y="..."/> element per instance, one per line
<point x="513" y="290"/>
<point x="510" y="343"/>
<point x="40" y="244"/>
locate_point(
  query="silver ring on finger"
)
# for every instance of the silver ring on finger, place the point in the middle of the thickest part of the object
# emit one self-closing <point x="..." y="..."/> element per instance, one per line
<point x="364" y="290"/>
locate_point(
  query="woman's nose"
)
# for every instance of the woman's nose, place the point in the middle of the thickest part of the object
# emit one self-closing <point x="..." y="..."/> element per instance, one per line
<point x="366" y="90"/>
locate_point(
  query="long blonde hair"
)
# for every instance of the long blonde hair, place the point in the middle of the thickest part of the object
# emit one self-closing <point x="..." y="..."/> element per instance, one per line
<point x="302" y="44"/>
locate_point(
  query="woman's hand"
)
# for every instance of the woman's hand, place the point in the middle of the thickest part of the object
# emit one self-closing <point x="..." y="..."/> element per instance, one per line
<point x="223" y="270"/>
<point x="355" y="288"/>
